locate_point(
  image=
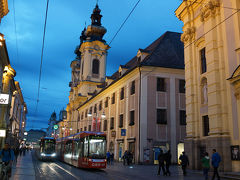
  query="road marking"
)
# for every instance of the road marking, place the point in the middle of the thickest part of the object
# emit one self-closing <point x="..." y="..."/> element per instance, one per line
<point x="56" y="173"/>
<point x="67" y="171"/>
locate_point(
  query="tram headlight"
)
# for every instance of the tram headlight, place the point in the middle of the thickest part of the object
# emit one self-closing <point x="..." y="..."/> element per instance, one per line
<point x="43" y="154"/>
<point x="53" y="154"/>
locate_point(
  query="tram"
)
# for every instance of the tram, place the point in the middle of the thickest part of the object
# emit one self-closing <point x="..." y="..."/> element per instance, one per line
<point x="86" y="149"/>
<point x="47" y="148"/>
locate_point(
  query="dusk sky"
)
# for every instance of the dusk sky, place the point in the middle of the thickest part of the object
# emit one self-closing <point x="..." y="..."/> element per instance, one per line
<point x="66" y="20"/>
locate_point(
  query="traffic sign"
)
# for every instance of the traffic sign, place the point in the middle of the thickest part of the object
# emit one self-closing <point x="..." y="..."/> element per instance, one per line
<point x="55" y="127"/>
<point x="123" y="132"/>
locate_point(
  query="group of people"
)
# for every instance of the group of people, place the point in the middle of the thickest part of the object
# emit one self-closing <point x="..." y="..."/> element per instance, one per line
<point x="164" y="160"/>
<point x="215" y="161"/>
<point x="10" y="155"/>
<point x="110" y="158"/>
<point x="127" y="158"/>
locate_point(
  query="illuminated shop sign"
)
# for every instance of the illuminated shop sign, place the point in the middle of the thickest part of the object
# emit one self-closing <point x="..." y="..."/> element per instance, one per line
<point x="4" y="98"/>
<point x="2" y="133"/>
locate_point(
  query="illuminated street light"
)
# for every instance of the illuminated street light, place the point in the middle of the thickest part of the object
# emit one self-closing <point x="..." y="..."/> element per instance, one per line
<point x="89" y="114"/>
<point x="25" y="133"/>
<point x="103" y="115"/>
<point x="70" y="129"/>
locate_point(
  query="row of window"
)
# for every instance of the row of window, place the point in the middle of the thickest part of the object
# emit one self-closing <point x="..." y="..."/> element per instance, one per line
<point x="162" y="116"/>
<point x="161" y="85"/>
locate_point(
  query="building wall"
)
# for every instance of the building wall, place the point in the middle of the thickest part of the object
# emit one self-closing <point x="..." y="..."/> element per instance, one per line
<point x="205" y="26"/>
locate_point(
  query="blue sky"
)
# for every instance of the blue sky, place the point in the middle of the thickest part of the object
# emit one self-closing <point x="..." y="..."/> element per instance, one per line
<point x="66" y="19"/>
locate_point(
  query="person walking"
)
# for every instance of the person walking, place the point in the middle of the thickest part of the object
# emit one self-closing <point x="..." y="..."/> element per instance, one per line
<point x="161" y="159"/>
<point x="16" y="153"/>
<point x="7" y="156"/>
<point x="184" y="162"/>
<point x="168" y="158"/>
<point x="108" y="157"/>
<point x="216" y="159"/>
<point x="206" y="165"/>
<point x="111" y="158"/>
<point x="125" y="157"/>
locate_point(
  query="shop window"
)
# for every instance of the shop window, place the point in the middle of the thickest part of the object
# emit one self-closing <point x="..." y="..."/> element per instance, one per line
<point x="161" y="116"/>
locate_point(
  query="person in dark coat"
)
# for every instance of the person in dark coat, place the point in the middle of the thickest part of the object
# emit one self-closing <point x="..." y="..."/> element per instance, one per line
<point x="125" y="157"/>
<point x="161" y="159"/>
<point x="168" y="158"/>
<point x="16" y="153"/>
<point x="216" y="159"/>
<point x="108" y="157"/>
<point x="184" y="162"/>
<point x="111" y="158"/>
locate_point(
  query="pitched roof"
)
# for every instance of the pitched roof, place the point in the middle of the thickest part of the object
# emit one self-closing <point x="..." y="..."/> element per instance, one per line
<point x="167" y="51"/>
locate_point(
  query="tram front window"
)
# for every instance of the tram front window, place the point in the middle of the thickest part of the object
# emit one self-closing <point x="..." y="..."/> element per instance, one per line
<point x="49" y="146"/>
<point x="97" y="147"/>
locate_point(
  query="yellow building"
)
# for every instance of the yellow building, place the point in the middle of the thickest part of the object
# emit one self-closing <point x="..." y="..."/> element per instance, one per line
<point x="3" y="8"/>
<point x="211" y="37"/>
<point x="141" y="107"/>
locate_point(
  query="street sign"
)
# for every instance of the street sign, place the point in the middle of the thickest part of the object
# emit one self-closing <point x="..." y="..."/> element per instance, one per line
<point x="55" y="127"/>
<point x="123" y="132"/>
<point x="2" y="133"/>
<point x="4" y="98"/>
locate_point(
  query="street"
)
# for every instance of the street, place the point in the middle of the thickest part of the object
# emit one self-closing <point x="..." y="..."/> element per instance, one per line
<point x="45" y="170"/>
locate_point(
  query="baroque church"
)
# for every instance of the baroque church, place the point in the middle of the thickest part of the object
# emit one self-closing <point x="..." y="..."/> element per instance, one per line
<point x="140" y="107"/>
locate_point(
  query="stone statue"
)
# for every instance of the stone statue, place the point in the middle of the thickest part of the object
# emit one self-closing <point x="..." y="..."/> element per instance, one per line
<point x="205" y="94"/>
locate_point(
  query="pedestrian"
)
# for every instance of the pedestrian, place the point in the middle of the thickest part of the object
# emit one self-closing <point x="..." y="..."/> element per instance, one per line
<point x="168" y="158"/>
<point x="7" y="156"/>
<point x="216" y="159"/>
<point x="161" y="158"/>
<point x="184" y="162"/>
<point x="129" y="158"/>
<point x="16" y="153"/>
<point x="111" y="158"/>
<point x="206" y="165"/>
<point x="125" y="157"/>
<point x="108" y="157"/>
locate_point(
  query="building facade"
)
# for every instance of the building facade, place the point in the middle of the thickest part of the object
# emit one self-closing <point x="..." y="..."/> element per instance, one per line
<point x="52" y="121"/>
<point x="211" y="37"/>
<point x="141" y="107"/>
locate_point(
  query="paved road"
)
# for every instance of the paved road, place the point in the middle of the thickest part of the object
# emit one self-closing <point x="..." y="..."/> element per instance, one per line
<point x="57" y="170"/>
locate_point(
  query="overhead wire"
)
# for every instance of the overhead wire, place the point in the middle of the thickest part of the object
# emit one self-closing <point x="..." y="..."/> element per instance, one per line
<point x="124" y="22"/>
<point x="42" y="52"/>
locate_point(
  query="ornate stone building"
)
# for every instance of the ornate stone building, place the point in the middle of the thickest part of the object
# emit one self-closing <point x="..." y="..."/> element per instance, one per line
<point x="141" y="107"/>
<point x="3" y="8"/>
<point x="211" y="37"/>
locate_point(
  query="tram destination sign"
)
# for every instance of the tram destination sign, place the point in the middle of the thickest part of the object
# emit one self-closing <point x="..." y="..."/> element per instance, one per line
<point x="4" y="98"/>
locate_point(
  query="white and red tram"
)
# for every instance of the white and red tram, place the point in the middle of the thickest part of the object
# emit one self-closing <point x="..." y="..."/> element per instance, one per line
<point x="85" y="149"/>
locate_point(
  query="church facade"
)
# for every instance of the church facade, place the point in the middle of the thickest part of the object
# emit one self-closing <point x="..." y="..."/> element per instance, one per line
<point x="141" y="107"/>
<point x="211" y="37"/>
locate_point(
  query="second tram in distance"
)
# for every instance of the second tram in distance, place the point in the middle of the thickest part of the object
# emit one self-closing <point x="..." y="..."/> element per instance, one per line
<point x="85" y="149"/>
<point x="46" y="149"/>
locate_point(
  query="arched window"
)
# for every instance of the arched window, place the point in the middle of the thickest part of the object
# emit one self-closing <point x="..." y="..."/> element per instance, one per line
<point x="95" y="66"/>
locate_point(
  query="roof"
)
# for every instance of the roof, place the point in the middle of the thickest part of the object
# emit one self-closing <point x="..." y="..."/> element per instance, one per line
<point x="167" y="51"/>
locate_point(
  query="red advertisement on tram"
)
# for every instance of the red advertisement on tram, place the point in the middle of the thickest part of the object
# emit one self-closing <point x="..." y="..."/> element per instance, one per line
<point x="85" y="149"/>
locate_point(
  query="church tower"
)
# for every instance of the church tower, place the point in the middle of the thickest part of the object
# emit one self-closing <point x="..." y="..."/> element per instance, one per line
<point x="92" y="51"/>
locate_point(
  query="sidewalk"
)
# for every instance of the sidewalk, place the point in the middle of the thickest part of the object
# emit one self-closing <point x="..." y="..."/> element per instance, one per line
<point x="24" y="168"/>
